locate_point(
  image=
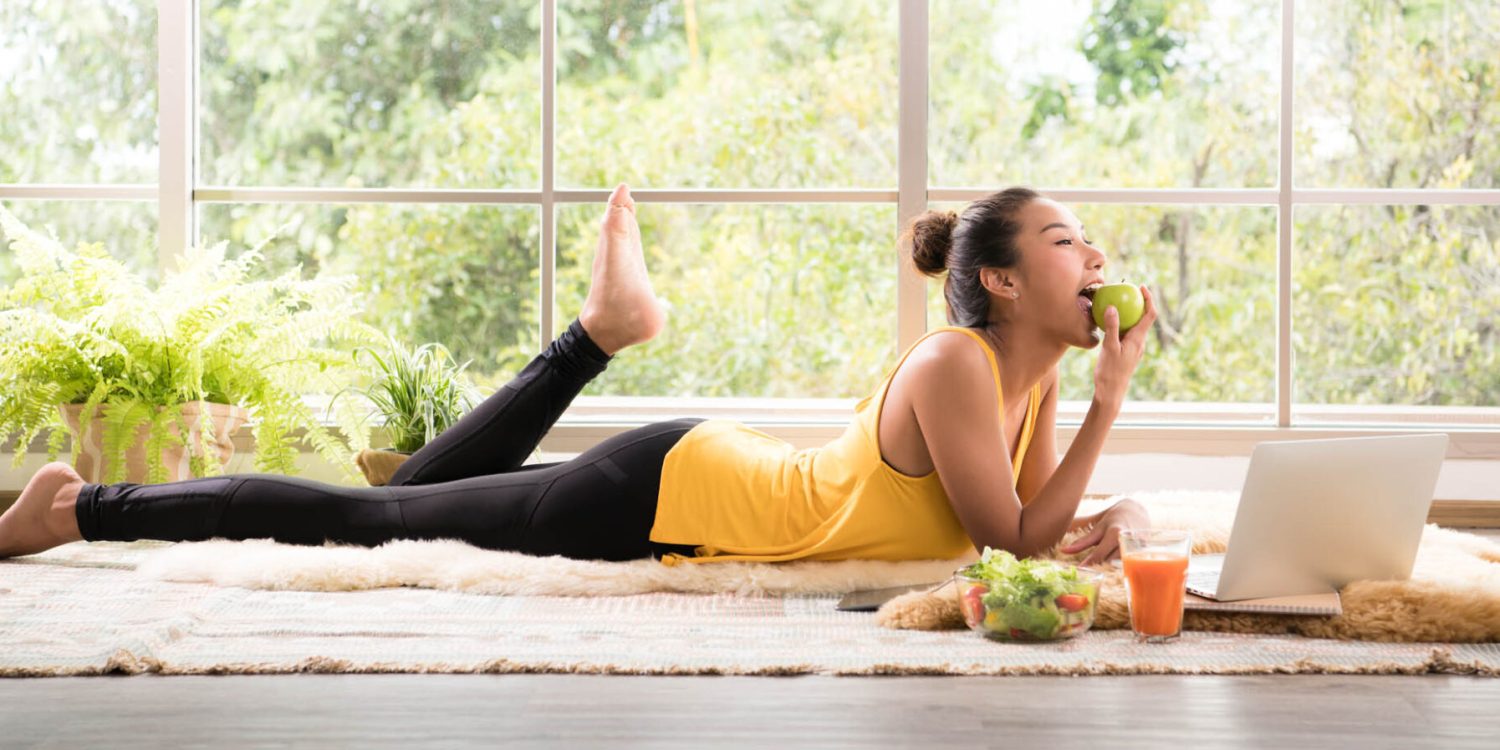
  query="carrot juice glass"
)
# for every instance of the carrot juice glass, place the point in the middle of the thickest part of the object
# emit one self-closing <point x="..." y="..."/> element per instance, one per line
<point x="1156" y="563"/>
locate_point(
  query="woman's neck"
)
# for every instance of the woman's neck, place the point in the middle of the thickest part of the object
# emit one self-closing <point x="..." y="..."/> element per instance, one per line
<point x="1025" y="357"/>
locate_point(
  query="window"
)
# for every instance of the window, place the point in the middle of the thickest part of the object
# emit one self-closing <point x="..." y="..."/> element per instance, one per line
<point x="80" y="87"/>
<point x="1398" y="94"/>
<point x="767" y="301"/>
<point x="462" y="275"/>
<point x="79" y="82"/>
<point x="370" y="94"/>
<point x="784" y="93"/>
<point x="456" y="155"/>
<point x="127" y="227"/>
<point x="1397" y="305"/>
<point x="1081" y="93"/>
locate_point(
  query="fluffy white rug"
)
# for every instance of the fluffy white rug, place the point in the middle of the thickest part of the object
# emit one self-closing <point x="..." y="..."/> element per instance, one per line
<point x="458" y="566"/>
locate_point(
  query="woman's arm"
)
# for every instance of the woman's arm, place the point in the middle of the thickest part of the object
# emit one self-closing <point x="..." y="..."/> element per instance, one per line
<point x="952" y="386"/>
<point x="1041" y="457"/>
<point x="1050" y="514"/>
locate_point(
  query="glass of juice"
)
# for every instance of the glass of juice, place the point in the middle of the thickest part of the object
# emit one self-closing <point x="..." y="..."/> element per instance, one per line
<point x="1156" y="563"/>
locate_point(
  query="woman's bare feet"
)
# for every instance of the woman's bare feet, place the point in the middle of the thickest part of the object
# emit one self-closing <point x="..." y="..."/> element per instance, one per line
<point x="43" y="517"/>
<point x="621" y="308"/>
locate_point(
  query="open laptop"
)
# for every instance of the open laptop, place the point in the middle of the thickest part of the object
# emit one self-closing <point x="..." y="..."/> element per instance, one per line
<point x="1316" y="514"/>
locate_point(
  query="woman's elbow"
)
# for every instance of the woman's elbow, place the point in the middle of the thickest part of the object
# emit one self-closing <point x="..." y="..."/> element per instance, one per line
<point x="1012" y="546"/>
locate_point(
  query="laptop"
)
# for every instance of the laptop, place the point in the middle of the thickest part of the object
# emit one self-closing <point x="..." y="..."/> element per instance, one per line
<point x="1316" y="514"/>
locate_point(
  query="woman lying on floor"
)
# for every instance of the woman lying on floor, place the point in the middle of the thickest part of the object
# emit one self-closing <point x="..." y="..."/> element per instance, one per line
<point x="933" y="466"/>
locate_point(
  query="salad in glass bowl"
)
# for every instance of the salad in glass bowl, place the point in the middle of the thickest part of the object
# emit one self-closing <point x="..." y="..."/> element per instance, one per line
<point x="1009" y="599"/>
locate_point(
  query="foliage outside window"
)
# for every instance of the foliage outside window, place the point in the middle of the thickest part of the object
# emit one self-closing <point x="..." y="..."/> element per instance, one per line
<point x="1392" y="305"/>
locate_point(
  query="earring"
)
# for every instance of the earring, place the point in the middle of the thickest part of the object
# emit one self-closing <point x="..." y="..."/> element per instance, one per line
<point x="1013" y="295"/>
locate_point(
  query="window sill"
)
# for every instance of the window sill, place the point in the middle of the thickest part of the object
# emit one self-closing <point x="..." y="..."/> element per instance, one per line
<point x="1142" y="426"/>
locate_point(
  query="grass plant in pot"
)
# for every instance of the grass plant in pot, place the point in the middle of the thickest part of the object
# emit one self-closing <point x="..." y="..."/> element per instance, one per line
<point x="419" y="392"/>
<point x="150" y="383"/>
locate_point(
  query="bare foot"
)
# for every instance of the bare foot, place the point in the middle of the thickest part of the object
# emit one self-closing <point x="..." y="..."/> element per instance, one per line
<point x="621" y="308"/>
<point x="43" y="517"/>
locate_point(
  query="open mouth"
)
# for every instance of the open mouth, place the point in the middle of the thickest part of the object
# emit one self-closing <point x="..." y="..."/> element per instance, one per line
<point x="1086" y="304"/>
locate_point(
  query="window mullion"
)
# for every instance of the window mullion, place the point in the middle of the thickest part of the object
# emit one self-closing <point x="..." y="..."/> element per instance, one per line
<point x="548" y="247"/>
<point x="911" y="181"/>
<point x="1284" y="278"/>
<point x="175" y="45"/>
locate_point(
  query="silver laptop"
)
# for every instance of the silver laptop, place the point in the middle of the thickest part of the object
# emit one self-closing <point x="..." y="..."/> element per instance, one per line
<point x="1317" y="514"/>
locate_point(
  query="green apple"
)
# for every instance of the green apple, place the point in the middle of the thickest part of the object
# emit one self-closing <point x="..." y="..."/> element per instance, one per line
<point x="1124" y="297"/>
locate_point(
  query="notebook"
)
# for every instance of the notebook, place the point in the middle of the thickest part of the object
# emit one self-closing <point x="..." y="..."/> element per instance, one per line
<point x="1301" y="604"/>
<point x="1203" y="579"/>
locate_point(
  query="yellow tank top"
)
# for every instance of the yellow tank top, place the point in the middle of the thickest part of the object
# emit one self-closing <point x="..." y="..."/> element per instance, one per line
<point x="740" y="494"/>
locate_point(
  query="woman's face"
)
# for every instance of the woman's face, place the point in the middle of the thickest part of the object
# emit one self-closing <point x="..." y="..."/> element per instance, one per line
<point x="1057" y="261"/>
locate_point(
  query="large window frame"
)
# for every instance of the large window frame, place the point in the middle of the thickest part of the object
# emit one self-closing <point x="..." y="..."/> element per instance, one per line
<point x="1167" y="427"/>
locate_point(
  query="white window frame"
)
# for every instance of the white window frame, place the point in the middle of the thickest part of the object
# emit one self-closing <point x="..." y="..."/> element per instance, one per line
<point x="1169" y="427"/>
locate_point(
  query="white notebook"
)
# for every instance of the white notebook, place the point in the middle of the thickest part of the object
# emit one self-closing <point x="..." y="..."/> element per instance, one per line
<point x="1202" y="579"/>
<point x="1300" y="604"/>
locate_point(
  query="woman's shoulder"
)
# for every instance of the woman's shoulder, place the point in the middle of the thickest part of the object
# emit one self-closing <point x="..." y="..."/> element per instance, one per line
<point x="944" y="358"/>
<point x="949" y="346"/>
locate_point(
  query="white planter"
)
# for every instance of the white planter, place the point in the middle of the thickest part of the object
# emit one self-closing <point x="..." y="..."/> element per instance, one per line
<point x="92" y="465"/>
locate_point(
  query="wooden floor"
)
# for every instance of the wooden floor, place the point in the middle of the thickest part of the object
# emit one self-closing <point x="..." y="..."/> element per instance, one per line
<point x="517" y="711"/>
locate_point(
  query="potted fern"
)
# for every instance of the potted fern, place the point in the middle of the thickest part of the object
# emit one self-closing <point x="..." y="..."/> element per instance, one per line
<point x="149" y="383"/>
<point x="419" y="392"/>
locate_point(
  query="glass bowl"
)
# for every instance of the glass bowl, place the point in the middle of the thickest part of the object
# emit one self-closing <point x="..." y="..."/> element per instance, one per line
<point x="1064" y="615"/>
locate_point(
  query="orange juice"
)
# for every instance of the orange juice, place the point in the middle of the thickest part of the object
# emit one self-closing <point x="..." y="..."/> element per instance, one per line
<point x="1157" y="581"/>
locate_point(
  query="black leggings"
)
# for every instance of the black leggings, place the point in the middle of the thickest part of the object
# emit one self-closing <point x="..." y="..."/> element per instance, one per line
<point x="468" y="484"/>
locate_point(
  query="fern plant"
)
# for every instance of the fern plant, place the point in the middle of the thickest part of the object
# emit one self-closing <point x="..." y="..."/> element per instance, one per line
<point x="78" y="327"/>
<point x="420" y="392"/>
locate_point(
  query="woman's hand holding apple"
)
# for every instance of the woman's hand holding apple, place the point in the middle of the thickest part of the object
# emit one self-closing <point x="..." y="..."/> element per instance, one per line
<point x="1118" y="356"/>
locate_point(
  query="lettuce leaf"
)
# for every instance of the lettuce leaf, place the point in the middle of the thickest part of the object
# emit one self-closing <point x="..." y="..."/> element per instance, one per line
<point x="1017" y="582"/>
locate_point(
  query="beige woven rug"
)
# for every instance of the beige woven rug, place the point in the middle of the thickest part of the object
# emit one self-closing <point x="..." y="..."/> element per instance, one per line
<point x="91" y="608"/>
<point x="86" y="611"/>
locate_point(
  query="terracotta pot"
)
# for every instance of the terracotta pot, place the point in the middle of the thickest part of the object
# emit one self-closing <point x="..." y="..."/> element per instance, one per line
<point x="380" y="465"/>
<point x="92" y="464"/>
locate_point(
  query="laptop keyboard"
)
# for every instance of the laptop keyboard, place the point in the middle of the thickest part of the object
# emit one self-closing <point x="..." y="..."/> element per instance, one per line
<point x="1204" y="580"/>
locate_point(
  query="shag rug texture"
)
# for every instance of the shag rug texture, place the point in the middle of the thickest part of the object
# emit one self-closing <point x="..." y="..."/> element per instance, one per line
<point x="1452" y="596"/>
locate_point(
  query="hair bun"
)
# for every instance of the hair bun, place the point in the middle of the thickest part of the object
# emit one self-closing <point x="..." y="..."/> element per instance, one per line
<point x="931" y="236"/>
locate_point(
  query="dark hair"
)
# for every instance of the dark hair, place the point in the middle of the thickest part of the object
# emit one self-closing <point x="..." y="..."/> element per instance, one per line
<point x="983" y="236"/>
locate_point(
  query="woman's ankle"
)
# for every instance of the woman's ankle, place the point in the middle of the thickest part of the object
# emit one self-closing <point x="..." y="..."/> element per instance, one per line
<point x="600" y="346"/>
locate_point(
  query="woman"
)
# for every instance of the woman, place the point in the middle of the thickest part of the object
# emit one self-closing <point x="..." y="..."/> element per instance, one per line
<point x="932" y="465"/>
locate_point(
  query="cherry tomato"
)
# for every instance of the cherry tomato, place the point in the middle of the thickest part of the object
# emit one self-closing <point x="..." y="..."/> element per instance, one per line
<point x="1072" y="602"/>
<point x="973" y="606"/>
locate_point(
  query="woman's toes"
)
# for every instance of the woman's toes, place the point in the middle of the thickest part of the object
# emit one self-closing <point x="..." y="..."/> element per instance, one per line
<point x="619" y="218"/>
<point x="621" y="197"/>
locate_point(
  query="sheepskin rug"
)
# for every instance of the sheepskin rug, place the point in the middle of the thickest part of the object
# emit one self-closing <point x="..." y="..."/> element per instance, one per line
<point x="1452" y="596"/>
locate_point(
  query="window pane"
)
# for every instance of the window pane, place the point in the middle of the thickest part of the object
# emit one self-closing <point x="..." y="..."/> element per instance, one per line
<point x="360" y="93"/>
<point x="1398" y="94"/>
<point x="127" y="230"/>
<point x="783" y="93"/>
<point x="773" y="301"/>
<point x="1138" y="94"/>
<point x="79" y="85"/>
<point x="1213" y="273"/>
<point x="1397" y="305"/>
<point x="464" y="276"/>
